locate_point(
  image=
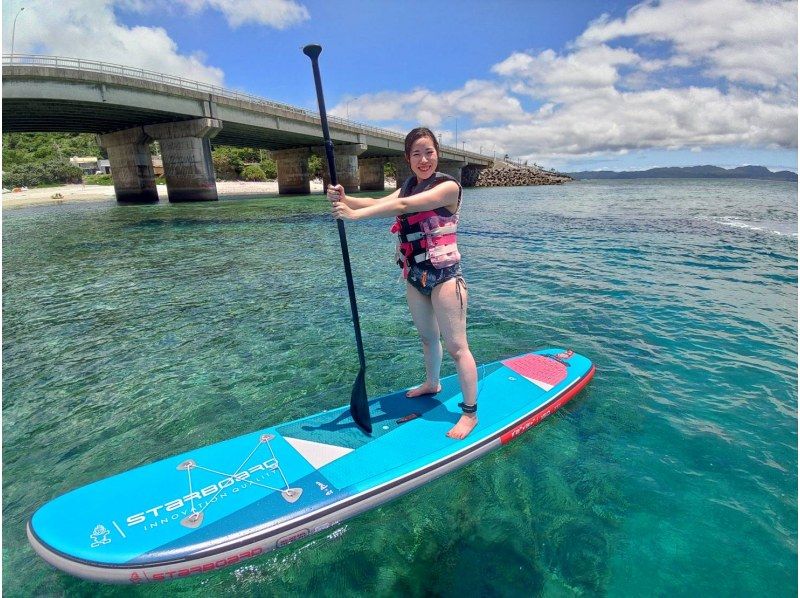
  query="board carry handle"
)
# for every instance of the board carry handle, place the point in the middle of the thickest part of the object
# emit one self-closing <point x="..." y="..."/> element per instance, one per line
<point x="359" y="407"/>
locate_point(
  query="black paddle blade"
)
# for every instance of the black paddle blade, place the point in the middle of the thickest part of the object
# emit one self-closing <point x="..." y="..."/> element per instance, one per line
<point x="359" y="408"/>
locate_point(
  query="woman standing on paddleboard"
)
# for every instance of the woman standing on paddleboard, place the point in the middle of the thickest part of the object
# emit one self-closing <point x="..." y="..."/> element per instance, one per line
<point x="426" y="208"/>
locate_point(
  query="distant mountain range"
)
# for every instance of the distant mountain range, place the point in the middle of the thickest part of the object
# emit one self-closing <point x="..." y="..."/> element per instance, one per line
<point x="691" y="172"/>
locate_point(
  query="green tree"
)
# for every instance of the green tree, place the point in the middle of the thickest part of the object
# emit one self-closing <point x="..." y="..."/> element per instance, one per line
<point x="227" y="163"/>
<point x="248" y="154"/>
<point x="30" y="148"/>
<point x="98" y="179"/>
<point x="253" y="172"/>
<point x="315" y="166"/>
<point x="42" y="173"/>
<point x="270" y="168"/>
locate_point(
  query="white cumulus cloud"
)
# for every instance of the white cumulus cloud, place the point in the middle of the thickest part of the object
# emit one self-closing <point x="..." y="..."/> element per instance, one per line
<point x="482" y="101"/>
<point x="566" y="77"/>
<point x="92" y="30"/>
<point x="89" y="29"/>
<point x="674" y="74"/>
<point x="279" y="14"/>
<point x="746" y="41"/>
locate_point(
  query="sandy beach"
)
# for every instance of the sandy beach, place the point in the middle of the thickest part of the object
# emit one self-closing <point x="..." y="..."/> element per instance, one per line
<point x="105" y="193"/>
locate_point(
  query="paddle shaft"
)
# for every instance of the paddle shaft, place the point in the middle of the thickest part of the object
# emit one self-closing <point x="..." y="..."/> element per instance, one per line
<point x="359" y="407"/>
<point x="340" y="225"/>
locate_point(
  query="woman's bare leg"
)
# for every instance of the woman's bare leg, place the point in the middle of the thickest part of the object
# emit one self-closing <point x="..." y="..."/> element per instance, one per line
<point x="422" y="313"/>
<point x="450" y="308"/>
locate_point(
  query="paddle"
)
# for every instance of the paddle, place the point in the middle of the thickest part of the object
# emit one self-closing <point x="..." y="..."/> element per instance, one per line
<point x="359" y="409"/>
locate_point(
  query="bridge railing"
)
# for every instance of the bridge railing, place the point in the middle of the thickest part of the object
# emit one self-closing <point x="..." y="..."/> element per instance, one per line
<point x="81" y="64"/>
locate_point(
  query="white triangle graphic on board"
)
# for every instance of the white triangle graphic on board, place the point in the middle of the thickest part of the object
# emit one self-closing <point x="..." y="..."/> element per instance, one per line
<point x="543" y="385"/>
<point x="317" y="453"/>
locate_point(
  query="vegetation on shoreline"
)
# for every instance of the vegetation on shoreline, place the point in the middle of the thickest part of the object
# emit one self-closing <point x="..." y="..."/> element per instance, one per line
<point x="31" y="148"/>
<point x="97" y="179"/>
<point x="53" y="172"/>
<point x="42" y="159"/>
<point x="243" y="164"/>
<point x="39" y="159"/>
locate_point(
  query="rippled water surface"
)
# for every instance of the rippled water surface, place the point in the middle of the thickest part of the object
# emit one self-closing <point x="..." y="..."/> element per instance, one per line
<point x="135" y="333"/>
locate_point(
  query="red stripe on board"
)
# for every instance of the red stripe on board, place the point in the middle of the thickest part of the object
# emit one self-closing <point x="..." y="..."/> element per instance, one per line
<point x="551" y="408"/>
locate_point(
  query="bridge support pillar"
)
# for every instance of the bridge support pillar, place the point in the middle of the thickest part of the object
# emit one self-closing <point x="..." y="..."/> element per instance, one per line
<point x="293" y="176"/>
<point x="370" y="174"/>
<point x="186" y="152"/>
<point x="452" y="168"/>
<point x="403" y="170"/>
<point x="345" y="159"/>
<point x="131" y="165"/>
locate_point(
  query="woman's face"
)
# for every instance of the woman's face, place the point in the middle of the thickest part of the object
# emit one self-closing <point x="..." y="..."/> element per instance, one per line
<point x="422" y="158"/>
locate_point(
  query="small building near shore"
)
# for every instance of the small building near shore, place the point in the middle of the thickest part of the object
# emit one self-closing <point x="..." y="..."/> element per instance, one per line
<point x="104" y="166"/>
<point x="88" y="164"/>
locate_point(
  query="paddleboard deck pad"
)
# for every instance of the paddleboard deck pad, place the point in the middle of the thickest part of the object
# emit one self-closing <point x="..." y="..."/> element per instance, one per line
<point x="224" y="503"/>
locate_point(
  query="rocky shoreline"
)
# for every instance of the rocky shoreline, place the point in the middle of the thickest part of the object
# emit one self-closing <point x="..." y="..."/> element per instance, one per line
<point x="508" y="174"/>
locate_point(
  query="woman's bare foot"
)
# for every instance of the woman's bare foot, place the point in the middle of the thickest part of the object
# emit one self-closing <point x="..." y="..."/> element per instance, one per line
<point x="464" y="426"/>
<point x="424" y="389"/>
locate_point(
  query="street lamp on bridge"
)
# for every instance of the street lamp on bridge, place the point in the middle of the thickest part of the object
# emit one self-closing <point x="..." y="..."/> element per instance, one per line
<point x="456" y="119"/>
<point x="347" y="106"/>
<point x="14" y="32"/>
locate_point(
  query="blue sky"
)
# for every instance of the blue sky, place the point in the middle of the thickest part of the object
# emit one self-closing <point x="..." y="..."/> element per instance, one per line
<point x="571" y="85"/>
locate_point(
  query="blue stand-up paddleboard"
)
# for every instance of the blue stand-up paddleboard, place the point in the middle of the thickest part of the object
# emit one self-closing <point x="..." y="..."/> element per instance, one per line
<point x="221" y="504"/>
<point x="228" y="502"/>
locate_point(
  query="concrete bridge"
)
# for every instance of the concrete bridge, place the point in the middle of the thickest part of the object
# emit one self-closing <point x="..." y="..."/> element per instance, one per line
<point x="129" y="108"/>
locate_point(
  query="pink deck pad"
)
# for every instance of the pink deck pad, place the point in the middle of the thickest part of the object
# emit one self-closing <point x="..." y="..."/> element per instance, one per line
<point x="539" y="368"/>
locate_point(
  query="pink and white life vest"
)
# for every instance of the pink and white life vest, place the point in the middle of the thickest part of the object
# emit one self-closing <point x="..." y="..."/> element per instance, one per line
<point x="427" y="237"/>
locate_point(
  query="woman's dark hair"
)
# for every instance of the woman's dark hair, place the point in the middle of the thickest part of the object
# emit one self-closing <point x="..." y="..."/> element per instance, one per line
<point x="419" y="133"/>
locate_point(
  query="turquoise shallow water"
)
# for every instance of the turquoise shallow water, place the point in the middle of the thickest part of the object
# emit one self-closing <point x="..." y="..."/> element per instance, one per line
<point x="133" y="333"/>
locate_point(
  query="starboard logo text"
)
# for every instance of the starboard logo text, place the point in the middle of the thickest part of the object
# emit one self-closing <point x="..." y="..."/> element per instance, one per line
<point x="199" y="568"/>
<point x="172" y="509"/>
